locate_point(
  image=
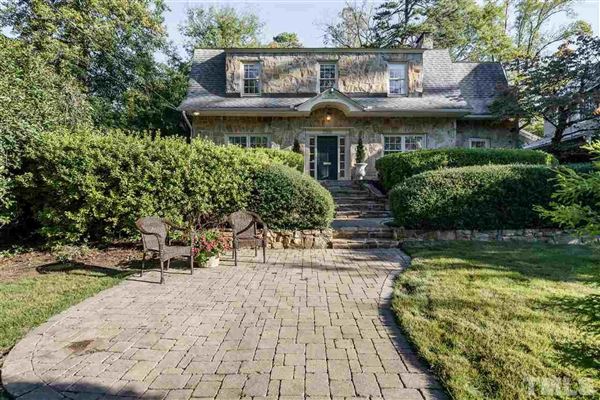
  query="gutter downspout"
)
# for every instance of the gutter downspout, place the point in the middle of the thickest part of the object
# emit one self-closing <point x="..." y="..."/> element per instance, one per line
<point x="187" y="122"/>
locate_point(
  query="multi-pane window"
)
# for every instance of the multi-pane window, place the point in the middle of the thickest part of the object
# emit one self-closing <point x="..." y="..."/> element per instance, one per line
<point x="249" y="140"/>
<point x="412" y="143"/>
<point x="397" y="79"/>
<point x="252" y="79"/>
<point x="475" y="143"/>
<point x="259" y="141"/>
<point x="241" y="141"/>
<point x="398" y="143"/>
<point x="327" y="76"/>
<point x="392" y="144"/>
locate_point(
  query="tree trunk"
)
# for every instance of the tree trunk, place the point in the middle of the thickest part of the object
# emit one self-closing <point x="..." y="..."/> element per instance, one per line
<point x="559" y="132"/>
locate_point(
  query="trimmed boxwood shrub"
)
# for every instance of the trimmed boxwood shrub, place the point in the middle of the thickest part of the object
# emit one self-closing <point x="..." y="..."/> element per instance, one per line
<point x="478" y="197"/>
<point x="90" y="186"/>
<point x="394" y="168"/>
<point x="285" y="157"/>
<point x="289" y="199"/>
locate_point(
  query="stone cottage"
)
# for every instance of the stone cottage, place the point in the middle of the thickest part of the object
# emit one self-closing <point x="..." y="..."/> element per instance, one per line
<point x="327" y="98"/>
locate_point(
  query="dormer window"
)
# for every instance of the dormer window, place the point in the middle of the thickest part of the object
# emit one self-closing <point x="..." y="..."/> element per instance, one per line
<point x="251" y="79"/>
<point x="398" y="82"/>
<point x="327" y="76"/>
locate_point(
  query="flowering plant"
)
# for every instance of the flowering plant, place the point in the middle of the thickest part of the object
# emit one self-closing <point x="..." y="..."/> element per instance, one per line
<point x="209" y="243"/>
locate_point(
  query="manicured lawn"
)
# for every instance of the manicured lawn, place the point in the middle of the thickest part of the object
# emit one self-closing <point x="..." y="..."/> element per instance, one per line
<point x="505" y="320"/>
<point x="26" y="303"/>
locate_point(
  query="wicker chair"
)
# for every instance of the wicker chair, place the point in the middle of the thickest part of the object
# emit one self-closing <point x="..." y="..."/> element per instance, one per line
<point x="245" y="226"/>
<point x="155" y="232"/>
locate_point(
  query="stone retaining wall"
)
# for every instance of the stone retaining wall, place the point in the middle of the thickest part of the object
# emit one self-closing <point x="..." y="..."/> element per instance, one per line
<point x="304" y="239"/>
<point x="554" y="236"/>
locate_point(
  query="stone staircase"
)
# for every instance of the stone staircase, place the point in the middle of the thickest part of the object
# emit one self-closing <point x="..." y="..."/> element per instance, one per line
<point x="361" y="211"/>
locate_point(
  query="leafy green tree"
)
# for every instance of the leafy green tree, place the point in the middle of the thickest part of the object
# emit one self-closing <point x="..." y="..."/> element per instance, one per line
<point x="106" y="45"/>
<point x="151" y="105"/>
<point x="34" y="99"/>
<point x="472" y="31"/>
<point x="286" y="40"/>
<point x="564" y="88"/>
<point x="576" y="202"/>
<point x="399" y="23"/>
<point x="218" y="27"/>
<point x="530" y="32"/>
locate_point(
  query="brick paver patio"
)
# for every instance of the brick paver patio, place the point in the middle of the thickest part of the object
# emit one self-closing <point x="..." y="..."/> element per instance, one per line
<point x="308" y="324"/>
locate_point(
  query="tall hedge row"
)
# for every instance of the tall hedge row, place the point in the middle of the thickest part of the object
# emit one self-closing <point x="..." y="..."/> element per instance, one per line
<point x="91" y="186"/>
<point x="477" y="197"/>
<point x="395" y="168"/>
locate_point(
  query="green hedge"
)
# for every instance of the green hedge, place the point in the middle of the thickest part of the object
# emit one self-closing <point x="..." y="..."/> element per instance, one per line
<point x="291" y="199"/>
<point x="285" y="157"/>
<point x="89" y="186"/>
<point x="478" y="197"/>
<point x="394" y="168"/>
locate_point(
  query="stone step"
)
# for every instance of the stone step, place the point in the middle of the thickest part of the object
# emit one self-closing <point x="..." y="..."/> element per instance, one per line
<point x="351" y="199"/>
<point x="362" y="214"/>
<point x="363" y="233"/>
<point x="360" y="206"/>
<point x="335" y="192"/>
<point x="364" y="243"/>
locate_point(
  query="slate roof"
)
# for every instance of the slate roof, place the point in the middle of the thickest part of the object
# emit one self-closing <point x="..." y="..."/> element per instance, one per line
<point x="446" y="86"/>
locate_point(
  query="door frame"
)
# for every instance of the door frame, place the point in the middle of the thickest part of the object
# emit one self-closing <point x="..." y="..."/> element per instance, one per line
<point x="342" y="135"/>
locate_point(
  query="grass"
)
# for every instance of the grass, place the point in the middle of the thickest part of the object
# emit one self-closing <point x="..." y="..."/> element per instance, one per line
<point x="505" y="320"/>
<point x="28" y="302"/>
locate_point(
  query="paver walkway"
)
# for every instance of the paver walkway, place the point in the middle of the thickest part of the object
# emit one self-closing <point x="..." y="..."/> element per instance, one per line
<point x="308" y="324"/>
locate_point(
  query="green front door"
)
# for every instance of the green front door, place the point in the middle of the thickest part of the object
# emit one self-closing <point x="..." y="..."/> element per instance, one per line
<point x="327" y="157"/>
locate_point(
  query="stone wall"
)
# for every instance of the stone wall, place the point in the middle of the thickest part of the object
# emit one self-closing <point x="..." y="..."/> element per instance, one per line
<point x="304" y="239"/>
<point x="499" y="133"/>
<point x="552" y="236"/>
<point x="298" y="72"/>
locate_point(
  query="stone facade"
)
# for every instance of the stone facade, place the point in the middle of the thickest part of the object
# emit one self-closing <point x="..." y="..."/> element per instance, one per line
<point x="439" y="132"/>
<point x="358" y="72"/>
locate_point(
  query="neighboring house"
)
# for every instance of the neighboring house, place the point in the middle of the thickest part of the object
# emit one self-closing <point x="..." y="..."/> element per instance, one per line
<point x="326" y="98"/>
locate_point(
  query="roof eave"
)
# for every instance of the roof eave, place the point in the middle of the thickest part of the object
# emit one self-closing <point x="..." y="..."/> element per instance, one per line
<point x="288" y="112"/>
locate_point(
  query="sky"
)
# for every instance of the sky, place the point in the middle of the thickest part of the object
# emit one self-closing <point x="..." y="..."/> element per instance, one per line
<point x="305" y="17"/>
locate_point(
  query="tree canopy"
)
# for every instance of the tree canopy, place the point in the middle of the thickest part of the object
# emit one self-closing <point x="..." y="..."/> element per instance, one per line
<point x="488" y="30"/>
<point x="107" y="46"/>
<point x="563" y="87"/>
<point x="218" y="27"/>
<point x="285" y="40"/>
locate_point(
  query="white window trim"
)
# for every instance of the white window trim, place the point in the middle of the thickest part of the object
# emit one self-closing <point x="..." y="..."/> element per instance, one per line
<point x="403" y="141"/>
<point x="335" y="84"/>
<point x="405" y="79"/>
<point x="486" y="141"/>
<point x="242" y="94"/>
<point x="247" y="136"/>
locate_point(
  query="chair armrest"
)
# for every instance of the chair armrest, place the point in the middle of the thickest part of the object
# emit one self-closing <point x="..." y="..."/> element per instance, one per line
<point x="176" y="227"/>
<point x="156" y="235"/>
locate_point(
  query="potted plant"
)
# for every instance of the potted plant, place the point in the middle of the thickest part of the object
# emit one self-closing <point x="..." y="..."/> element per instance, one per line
<point x="210" y="244"/>
<point x="361" y="156"/>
